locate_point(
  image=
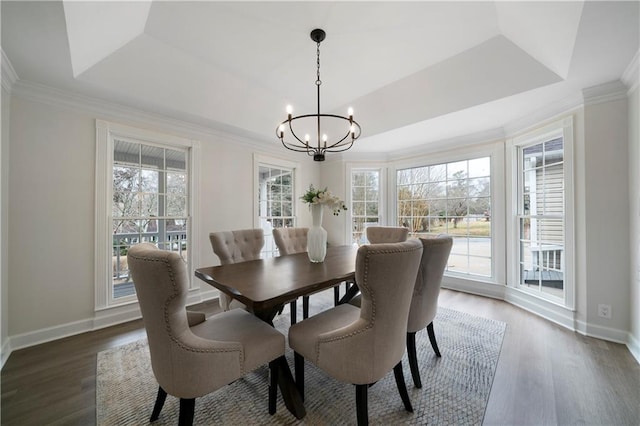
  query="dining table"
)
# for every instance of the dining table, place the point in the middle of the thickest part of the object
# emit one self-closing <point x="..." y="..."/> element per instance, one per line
<point x="264" y="286"/>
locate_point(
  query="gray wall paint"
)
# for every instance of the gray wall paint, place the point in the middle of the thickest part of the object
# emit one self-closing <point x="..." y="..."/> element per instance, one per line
<point x="634" y="216"/>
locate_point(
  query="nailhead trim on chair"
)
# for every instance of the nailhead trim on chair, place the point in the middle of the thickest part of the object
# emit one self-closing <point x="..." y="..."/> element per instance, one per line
<point x="166" y="316"/>
<point x="373" y="302"/>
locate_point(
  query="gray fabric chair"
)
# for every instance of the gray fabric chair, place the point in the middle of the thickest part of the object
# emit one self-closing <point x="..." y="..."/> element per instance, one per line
<point x="234" y="247"/>
<point x="387" y="234"/>
<point x="192" y="356"/>
<point x="290" y="240"/>
<point x="424" y="304"/>
<point x="361" y="346"/>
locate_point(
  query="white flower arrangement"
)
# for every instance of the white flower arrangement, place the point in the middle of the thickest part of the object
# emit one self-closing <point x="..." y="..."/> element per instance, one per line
<point x="323" y="196"/>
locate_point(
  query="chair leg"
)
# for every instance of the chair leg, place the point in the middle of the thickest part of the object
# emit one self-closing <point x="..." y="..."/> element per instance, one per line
<point x="336" y="295"/>
<point x="298" y="365"/>
<point x="187" y="408"/>
<point x="402" y="387"/>
<point x="305" y="307"/>
<point x="293" y="309"/>
<point x="432" y="339"/>
<point x="413" y="359"/>
<point x="273" y="386"/>
<point x="362" y="409"/>
<point x="162" y="396"/>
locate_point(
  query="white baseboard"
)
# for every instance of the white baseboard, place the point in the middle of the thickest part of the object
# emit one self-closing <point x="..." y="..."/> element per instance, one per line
<point x="102" y="319"/>
<point x="634" y="347"/>
<point x="5" y="352"/>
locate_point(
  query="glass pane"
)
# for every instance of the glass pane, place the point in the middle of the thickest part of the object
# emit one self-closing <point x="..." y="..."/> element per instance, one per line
<point x="358" y="179"/>
<point x="532" y="157"/>
<point x="176" y="205"/>
<point x="480" y="266"/>
<point x="372" y="194"/>
<point x="126" y="153"/>
<point x="438" y="173"/>
<point x="357" y="194"/>
<point x="176" y="160"/>
<point x="458" y="263"/>
<point x="457" y="170"/>
<point x="403" y="176"/>
<point x="149" y="180"/>
<point x="126" y="178"/>
<point x="287" y="209"/>
<point x="372" y="209"/>
<point x="480" y="167"/>
<point x="149" y="205"/>
<point x="125" y="204"/>
<point x="358" y="209"/>
<point x="152" y="157"/>
<point x="177" y="183"/>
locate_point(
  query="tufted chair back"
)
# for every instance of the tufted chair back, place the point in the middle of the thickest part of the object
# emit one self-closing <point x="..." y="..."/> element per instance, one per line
<point x="387" y="234"/>
<point x="234" y="247"/>
<point x="424" y="304"/>
<point x="237" y="246"/>
<point x="290" y="240"/>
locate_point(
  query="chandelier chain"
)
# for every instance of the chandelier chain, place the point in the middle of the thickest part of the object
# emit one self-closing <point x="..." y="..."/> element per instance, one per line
<point x="318" y="81"/>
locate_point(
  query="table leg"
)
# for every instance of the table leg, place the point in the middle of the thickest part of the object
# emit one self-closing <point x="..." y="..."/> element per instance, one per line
<point x="350" y="294"/>
<point x="292" y="399"/>
<point x="290" y="395"/>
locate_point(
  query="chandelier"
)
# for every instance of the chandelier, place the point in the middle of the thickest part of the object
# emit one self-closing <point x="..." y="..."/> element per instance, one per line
<point x="344" y="139"/>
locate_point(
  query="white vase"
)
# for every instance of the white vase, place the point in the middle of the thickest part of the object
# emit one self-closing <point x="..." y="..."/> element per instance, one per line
<point x="317" y="236"/>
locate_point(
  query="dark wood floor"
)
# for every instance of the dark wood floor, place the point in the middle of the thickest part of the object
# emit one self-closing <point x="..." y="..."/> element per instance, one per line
<point x="546" y="374"/>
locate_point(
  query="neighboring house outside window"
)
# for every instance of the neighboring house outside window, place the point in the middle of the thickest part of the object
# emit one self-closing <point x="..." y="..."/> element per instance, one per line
<point x="543" y="192"/>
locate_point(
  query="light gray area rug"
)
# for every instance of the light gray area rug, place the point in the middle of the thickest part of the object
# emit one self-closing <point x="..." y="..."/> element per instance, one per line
<point x="455" y="387"/>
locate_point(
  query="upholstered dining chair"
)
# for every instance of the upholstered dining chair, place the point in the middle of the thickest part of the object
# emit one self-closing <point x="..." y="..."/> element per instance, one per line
<point x="291" y="241"/>
<point x="424" y="303"/>
<point x="361" y="345"/>
<point x="387" y="234"/>
<point x="192" y="356"/>
<point x="234" y="247"/>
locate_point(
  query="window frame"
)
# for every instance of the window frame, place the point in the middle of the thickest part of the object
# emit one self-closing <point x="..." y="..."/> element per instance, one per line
<point x="382" y="197"/>
<point x="106" y="133"/>
<point x="273" y="162"/>
<point x="564" y="128"/>
<point x="495" y="151"/>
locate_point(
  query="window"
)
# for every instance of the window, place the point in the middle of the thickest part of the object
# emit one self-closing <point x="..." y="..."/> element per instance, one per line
<point x="451" y="198"/>
<point x="144" y="195"/>
<point x="276" y="201"/>
<point x="543" y="179"/>
<point x="365" y="203"/>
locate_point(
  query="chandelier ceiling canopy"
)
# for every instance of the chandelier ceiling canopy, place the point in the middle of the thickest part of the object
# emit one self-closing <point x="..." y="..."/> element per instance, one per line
<point x="339" y="131"/>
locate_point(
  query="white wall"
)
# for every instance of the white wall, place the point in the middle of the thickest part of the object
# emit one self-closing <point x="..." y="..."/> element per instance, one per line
<point x="607" y="214"/>
<point x="634" y="219"/>
<point x="52" y="211"/>
<point x="4" y="228"/>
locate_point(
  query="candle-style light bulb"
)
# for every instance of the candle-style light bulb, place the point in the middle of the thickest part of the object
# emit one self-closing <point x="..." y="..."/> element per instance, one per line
<point x="281" y="130"/>
<point x="307" y="137"/>
<point x="350" y="112"/>
<point x="324" y="139"/>
<point x="289" y="111"/>
<point x="353" y="131"/>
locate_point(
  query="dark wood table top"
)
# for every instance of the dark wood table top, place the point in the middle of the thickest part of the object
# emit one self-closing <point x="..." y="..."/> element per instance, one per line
<point x="265" y="285"/>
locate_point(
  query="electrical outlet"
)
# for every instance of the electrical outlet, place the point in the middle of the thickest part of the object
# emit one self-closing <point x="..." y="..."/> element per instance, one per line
<point x="604" y="311"/>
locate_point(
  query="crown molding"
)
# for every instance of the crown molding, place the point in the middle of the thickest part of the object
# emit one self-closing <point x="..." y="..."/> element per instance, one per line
<point x="607" y="92"/>
<point x="9" y="75"/>
<point x="103" y="109"/>
<point x="551" y="111"/>
<point x="631" y="75"/>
